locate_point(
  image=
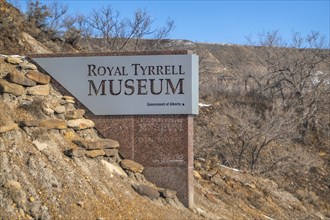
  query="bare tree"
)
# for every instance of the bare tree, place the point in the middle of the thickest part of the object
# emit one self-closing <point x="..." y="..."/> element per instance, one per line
<point x="125" y="34"/>
<point x="282" y="99"/>
<point x="293" y="75"/>
<point x="57" y="13"/>
<point x="270" y="39"/>
<point x="105" y="24"/>
<point x="48" y="21"/>
<point x="37" y="14"/>
<point x="103" y="27"/>
<point x="245" y="134"/>
<point x="162" y="33"/>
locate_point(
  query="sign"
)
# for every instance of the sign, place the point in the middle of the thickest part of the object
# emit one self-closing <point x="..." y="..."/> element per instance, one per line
<point x="144" y="100"/>
<point x="129" y="85"/>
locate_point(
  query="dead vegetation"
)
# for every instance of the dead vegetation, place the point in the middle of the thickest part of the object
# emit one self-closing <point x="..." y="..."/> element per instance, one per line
<point x="269" y="113"/>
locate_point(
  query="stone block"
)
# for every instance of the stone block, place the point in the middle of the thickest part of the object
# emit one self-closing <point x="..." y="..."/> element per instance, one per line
<point x="12" y="88"/>
<point x="146" y="190"/>
<point x="75" y="114"/>
<point x="15" y="60"/>
<point x="131" y="166"/>
<point x="41" y="90"/>
<point x="53" y="124"/>
<point x="38" y="77"/>
<point x="25" y="65"/>
<point x="20" y="79"/>
<point x="114" y="168"/>
<point x="80" y="124"/>
<point x="111" y="152"/>
<point x="94" y="153"/>
<point x="60" y="109"/>
<point x="97" y="144"/>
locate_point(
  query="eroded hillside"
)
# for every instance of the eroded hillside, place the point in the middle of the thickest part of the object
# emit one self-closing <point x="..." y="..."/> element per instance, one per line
<point x="54" y="165"/>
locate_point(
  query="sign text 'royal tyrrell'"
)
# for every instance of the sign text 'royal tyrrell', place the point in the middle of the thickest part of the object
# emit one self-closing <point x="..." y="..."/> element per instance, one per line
<point x="129" y="85"/>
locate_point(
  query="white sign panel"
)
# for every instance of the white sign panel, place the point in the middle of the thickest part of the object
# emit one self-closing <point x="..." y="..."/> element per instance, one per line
<point x="129" y="85"/>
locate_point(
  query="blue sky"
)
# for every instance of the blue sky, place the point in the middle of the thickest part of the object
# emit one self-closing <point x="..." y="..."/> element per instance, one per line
<point x="223" y="21"/>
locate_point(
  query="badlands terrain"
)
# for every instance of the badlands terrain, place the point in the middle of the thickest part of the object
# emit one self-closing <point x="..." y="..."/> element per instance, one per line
<point x="55" y="165"/>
